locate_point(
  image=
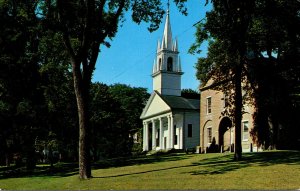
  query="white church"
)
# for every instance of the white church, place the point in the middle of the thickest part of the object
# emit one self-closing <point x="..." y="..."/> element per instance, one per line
<point x="170" y="121"/>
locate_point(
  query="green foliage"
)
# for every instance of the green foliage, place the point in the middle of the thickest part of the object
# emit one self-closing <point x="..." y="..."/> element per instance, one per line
<point x="190" y="94"/>
<point x="263" y="35"/>
<point x="45" y="47"/>
<point x="19" y="78"/>
<point x="85" y="26"/>
<point x="132" y="101"/>
<point x="115" y="112"/>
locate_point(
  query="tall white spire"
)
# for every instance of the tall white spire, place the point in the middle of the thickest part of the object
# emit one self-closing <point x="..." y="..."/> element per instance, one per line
<point x="167" y="38"/>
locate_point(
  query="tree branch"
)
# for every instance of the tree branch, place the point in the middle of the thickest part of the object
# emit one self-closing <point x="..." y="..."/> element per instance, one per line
<point x="116" y="17"/>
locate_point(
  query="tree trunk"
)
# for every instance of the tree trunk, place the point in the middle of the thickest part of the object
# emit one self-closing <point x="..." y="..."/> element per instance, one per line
<point x="6" y="150"/>
<point x="82" y="92"/>
<point x="238" y="111"/>
<point x="31" y="158"/>
<point x="84" y="147"/>
<point x="7" y="159"/>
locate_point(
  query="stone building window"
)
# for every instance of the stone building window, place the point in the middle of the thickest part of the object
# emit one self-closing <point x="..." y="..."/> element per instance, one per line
<point x="245" y="130"/>
<point x="209" y="135"/>
<point x="225" y="99"/>
<point x="208" y="105"/>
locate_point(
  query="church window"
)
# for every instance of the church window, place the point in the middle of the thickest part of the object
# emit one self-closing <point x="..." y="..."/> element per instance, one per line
<point x="208" y="105"/>
<point x="170" y="64"/>
<point x="245" y="130"/>
<point x="209" y="135"/>
<point x="175" y="136"/>
<point x="159" y="64"/>
<point x="190" y="130"/>
<point x="157" y="138"/>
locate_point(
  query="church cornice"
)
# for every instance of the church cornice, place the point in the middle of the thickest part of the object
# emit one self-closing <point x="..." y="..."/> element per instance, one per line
<point x="167" y="51"/>
<point x="166" y="72"/>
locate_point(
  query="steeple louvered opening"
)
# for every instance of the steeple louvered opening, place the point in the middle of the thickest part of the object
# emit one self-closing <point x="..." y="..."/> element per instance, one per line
<point x="170" y="64"/>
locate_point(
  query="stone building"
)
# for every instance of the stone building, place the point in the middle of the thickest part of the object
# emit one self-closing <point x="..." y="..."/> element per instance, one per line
<point x="216" y="129"/>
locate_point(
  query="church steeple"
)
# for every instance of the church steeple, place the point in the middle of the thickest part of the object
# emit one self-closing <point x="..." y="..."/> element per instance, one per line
<point x="167" y="37"/>
<point x="167" y="67"/>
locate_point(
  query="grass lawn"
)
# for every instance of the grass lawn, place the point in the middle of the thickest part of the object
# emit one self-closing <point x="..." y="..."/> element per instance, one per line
<point x="266" y="170"/>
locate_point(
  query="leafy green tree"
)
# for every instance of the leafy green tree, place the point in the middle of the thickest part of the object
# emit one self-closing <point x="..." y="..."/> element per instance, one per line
<point x="190" y="93"/>
<point x="56" y="83"/>
<point x="227" y="24"/>
<point x="274" y="44"/>
<point x="132" y="101"/>
<point x="106" y="115"/>
<point x="85" y="25"/>
<point x="115" y="112"/>
<point x="20" y="99"/>
<point x="264" y="39"/>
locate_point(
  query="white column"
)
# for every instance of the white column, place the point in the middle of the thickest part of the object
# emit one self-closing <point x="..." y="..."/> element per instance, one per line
<point x="161" y="138"/>
<point x="153" y="135"/>
<point x="180" y="137"/>
<point x="171" y="132"/>
<point x="144" y="136"/>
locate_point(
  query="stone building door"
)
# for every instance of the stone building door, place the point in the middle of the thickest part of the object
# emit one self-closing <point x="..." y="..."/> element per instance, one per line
<point x="225" y="136"/>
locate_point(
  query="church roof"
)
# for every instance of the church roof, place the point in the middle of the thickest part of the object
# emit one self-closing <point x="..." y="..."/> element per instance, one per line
<point x="158" y="104"/>
<point x="178" y="102"/>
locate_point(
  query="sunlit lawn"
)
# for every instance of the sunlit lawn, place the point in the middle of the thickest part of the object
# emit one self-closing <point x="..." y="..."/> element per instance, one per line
<point x="267" y="170"/>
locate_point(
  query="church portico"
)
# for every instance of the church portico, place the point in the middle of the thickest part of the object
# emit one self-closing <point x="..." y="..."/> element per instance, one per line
<point x="158" y="133"/>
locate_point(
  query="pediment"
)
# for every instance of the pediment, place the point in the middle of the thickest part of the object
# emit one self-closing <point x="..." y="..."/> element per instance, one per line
<point x="155" y="106"/>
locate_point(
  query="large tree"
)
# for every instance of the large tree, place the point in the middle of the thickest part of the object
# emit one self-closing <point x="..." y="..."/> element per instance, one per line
<point x="227" y="25"/>
<point x="60" y="116"/>
<point x="274" y="42"/>
<point x="85" y="25"/>
<point x="267" y="48"/>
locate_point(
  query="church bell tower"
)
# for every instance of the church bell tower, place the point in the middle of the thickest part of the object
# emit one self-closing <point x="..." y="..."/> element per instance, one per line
<point x="167" y="67"/>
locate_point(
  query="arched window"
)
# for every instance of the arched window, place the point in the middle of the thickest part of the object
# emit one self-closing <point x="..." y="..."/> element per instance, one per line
<point x="170" y="64"/>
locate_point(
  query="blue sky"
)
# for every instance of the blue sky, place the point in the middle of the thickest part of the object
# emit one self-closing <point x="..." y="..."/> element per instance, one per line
<point x="129" y="60"/>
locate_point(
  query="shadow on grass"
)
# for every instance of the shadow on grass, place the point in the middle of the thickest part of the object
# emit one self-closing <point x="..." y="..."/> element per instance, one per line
<point x="70" y="169"/>
<point x="144" y="172"/>
<point x="58" y="170"/>
<point x="224" y="164"/>
<point x="119" y="162"/>
<point x="216" y="165"/>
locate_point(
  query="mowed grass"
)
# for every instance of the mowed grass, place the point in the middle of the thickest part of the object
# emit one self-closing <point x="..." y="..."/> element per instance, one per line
<point x="265" y="170"/>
